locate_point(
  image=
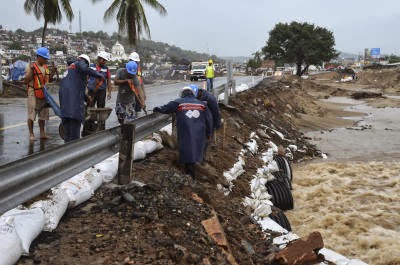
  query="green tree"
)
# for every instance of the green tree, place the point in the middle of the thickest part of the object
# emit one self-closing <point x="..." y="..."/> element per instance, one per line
<point x="131" y="17"/>
<point x="255" y="62"/>
<point x="20" y="31"/>
<point x="300" y="43"/>
<point x="24" y="58"/>
<point x="50" y="11"/>
<point x="394" y="58"/>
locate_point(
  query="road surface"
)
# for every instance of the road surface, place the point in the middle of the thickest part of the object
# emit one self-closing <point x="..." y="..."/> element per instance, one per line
<point x="14" y="136"/>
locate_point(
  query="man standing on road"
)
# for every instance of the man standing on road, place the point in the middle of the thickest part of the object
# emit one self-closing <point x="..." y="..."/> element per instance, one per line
<point x="193" y="127"/>
<point x="128" y="84"/>
<point x="210" y="73"/>
<point x="98" y="88"/>
<point x="72" y="96"/>
<point x="134" y="56"/>
<point x="37" y="75"/>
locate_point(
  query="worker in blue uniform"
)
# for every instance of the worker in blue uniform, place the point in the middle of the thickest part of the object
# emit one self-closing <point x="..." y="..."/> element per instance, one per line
<point x="193" y="127"/>
<point x="72" y="96"/>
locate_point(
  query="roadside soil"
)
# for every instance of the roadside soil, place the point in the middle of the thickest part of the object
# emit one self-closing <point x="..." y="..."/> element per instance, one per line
<point x="161" y="222"/>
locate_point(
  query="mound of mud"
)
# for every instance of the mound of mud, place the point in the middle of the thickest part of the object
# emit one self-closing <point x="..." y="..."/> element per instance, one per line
<point x="384" y="79"/>
<point x="162" y="220"/>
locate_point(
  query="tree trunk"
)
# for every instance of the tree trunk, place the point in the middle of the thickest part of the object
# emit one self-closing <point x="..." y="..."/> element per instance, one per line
<point x="298" y="72"/>
<point x="305" y="70"/>
<point x="44" y="32"/>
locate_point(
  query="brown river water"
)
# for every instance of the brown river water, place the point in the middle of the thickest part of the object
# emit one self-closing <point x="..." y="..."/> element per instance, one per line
<point x="353" y="196"/>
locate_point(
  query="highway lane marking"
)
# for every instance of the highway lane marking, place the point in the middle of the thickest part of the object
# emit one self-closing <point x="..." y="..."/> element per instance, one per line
<point x="21" y="124"/>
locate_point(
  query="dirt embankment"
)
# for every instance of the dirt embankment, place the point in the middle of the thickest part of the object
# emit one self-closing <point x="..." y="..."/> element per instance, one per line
<point x="161" y="222"/>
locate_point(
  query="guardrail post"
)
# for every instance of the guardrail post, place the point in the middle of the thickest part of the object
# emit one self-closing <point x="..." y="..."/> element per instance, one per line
<point x="126" y="152"/>
<point x="226" y="94"/>
<point x="233" y="86"/>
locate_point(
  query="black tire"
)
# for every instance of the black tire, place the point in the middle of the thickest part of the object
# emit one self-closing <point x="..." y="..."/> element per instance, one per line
<point x="281" y="194"/>
<point x="282" y="177"/>
<point x="279" y="217"/>
<point x="285" y="167"/>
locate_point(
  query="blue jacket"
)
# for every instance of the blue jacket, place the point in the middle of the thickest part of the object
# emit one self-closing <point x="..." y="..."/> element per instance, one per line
<point x="193" y="126"/>
<point x="212" y="104"/>
<point x="72" y="90"/>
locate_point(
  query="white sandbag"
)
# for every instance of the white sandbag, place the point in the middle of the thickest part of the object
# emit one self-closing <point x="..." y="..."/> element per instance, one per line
<point x="53" y="208"/>
<point x="139" y="151"/>
<point x="268" y="155"/>
<point x="347" y="79"/>
<point x="269" y="224"/>
<point x="94" y="178"/>
<point x="108" y="168"/>
<point x="29" y="224"/>
<point x="333" y="256"/>
<point x="150" y="146"/>
<point x="262" y="210"/>
<point x="273" y="146"/>
<point x="285" y="239"/>
<point x="78" y="190"/>
<point x="252" y="146"/>
<point x="273" y="166"/>
<point x="167" y="129"/>
<point x="10" y="243"/>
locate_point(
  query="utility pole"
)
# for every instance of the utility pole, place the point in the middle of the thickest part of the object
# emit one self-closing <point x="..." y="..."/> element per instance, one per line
<point x="1" y="72"/>
<point x="80" y="22"/>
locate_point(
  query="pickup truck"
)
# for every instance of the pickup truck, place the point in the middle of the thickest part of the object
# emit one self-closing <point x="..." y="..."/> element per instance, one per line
<point x="198" y="71"/>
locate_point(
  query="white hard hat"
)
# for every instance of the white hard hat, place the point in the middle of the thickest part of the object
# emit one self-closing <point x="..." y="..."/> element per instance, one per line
<point x="186" y="88"/>
<point x="84" y="56"/>
<point x="134" y="56"/>
<point x="105" y="55"/>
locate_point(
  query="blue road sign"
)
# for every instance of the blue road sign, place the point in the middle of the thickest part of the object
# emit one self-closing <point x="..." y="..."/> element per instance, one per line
<point x="375" y="51"/>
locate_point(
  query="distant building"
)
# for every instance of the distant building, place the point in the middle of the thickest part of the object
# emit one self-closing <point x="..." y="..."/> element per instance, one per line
<point x="100" y="47"/>
<point x="118" y="52"/>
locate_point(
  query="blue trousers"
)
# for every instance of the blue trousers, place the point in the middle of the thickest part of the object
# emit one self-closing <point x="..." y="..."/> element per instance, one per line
<point x="72" y="129"/>
<point x="210" y="84"/>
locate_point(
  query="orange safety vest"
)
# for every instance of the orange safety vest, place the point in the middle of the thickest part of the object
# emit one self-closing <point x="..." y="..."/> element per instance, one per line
<point x="39" y="80"/>
<point x="139" y="74"/>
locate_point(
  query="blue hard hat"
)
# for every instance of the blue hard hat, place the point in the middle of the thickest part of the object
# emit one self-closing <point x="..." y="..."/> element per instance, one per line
<point x="131" y="67"/>
<point x="43" y="52"/>
<point x="195" y="89"/>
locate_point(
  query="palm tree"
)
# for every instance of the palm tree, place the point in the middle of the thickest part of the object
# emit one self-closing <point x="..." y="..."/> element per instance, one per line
<point x="131" y="17"/>
<point x="50" y="11"/>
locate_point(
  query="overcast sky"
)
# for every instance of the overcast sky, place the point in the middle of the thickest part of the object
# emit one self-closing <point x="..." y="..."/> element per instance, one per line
<point x="240" y="27"/>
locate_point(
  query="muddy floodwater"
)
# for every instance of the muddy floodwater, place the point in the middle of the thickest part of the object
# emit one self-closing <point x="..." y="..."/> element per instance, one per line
<point x="353" y="196"/>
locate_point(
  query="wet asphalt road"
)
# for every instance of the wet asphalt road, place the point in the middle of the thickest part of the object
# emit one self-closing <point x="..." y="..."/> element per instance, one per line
<point x="14" y="136"/>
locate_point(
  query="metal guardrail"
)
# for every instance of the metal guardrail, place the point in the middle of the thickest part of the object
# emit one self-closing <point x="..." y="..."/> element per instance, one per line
<point x="26" y="178"/>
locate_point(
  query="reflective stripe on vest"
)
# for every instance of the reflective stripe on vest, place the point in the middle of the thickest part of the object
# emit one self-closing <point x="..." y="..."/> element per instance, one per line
<point x="40" y="80"/>
<point x="191" y="106"/>
<point x="210" y="71"/>
<point x="139" y="74"/>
